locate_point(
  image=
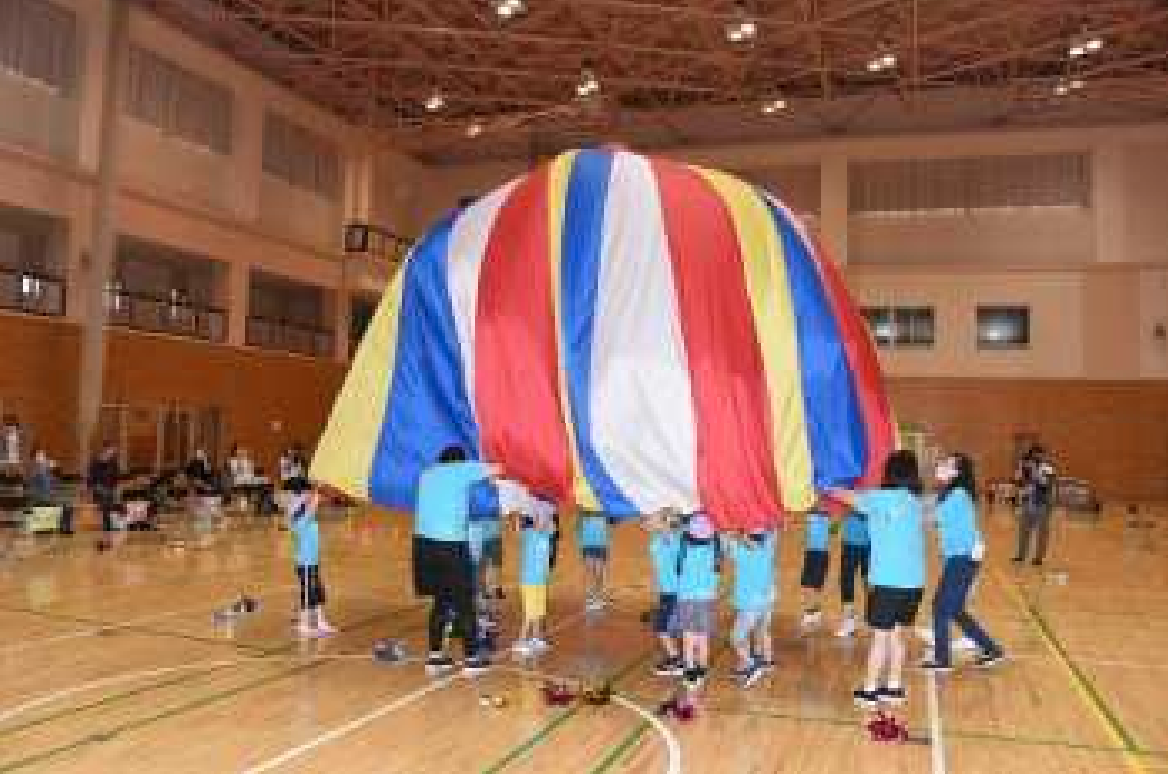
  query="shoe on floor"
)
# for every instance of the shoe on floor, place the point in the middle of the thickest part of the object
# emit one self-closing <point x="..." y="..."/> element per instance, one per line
<point x="475" y="665"/>
<point x="539" y="645"/>
<point x="811" y="619"/>
<point x="987" y="660"/>
<point x="766" y="665"/>
<point x="894" y="697"/>
<point x="866" y="699"/>
<point x="936" y="667"/>
<point x="965" y="643"/>
<point x="669" y="667"/>
<point x="438" y="664"/>
<point x="847" y="627"/>
<point x="748" y="675"/>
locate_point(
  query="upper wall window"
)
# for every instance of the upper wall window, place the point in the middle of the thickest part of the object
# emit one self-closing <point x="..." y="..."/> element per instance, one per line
<point x="916" y="187"/>
<point x="38" y="41"/>
<point x="301" y="157"/>
<point x="1003" y="327"/>
<point x="178" y="102"/>
<point x="902" y="326"/>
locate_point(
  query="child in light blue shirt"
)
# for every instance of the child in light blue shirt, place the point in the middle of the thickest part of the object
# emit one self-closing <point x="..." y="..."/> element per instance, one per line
<point x="664" y="529"/>
<point x="855" y="551"/>
<point x="699" y="567"/>
<point x="302" y="505"/>
<point x="897" y="576"/>
<point x="753" y="554"/>
<point x="816" y="540"/>
<point x="535" y="536"/>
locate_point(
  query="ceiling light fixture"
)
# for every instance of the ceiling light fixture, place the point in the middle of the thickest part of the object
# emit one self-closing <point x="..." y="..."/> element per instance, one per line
<point x="743" y="28"/>
<point x="1065" y="86"/>
<point x="588" y="84"/>
<point x="885" y="59"/>
<point x="772" y="106"/>
<point x="1080" y="47"/>
<point x="509" y="9"/>
<point x="474" y="129"/>
<point x="435" y="102"/>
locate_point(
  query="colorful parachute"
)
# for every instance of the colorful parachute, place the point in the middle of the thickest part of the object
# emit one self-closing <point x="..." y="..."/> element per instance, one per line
<point x="622" y="331"/>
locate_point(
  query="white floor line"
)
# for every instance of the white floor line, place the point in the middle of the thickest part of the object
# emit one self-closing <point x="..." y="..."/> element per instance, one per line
<point x="93" y="632"/>
<point x="936" y="735"/>
<point x="350" y="727"/>
<point x="49" y="698"/>
<point x="672" y="747"/>
<point x="64" y="693"/>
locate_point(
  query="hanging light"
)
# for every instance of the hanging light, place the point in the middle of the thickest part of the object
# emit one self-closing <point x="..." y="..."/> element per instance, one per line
<point x="743" y="28"/>
<point x="772" y="106"/>
<point x="588" y="84"/>
<point x="508" y="9"/>
<point x="1087" y="44"/>
<point x="435" y="101"/>
<point x="1064" y="86"/>
<point x="474" y="129"/>
<point x="885" y="59"/>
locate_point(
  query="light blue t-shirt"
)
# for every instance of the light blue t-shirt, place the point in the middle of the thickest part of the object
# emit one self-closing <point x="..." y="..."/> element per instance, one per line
<point x="593" y="530"/>
<point x="664" y="548"/>
<point x="698" y="578"/>
<point x="855" y="531"/>
<point x="957" y="524"/>
<point x="817" y="532"/>
<point x="754" y="574"/>
<point x="896" y="529"/>
<point x="305" y="538"/>
<point x="537" y="556"/>
<point x="443" y="502"/>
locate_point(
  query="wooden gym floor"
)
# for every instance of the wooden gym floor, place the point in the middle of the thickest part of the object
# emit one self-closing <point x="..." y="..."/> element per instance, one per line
<point x="112" y="662"/>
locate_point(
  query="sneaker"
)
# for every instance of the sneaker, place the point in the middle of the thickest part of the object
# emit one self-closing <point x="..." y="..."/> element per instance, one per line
<point x="866" y="699"/>
<point x="987" y="660"/>
<point x="438" y="664"/>
<point x="1018" y="559"/>
<point x="325" y="628"/>
<point x="694" y="678"/>
<point x="811" y="619"/>
<point x="475" y="665"/>
<point x="486" y="623"/>
<point x="669" y="667"/>
<point x="766" y="665"/>
<point x="847" y="627"/>
<point x="307" y="631"/>
<point x="893" y="696"/>
<point x="748" y="675"/>
<point x="522" y="647"/>
<point x="539" y="644"/>
<point x="936" y="667"/>
<point x="965" y="643"/>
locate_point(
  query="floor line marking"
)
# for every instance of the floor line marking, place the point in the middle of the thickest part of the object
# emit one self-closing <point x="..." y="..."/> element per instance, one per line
<point x="131" y="623"/>
<point x="350" y="727"/>
<point x="936" y="733"/>
<point x="1083" y="687"/>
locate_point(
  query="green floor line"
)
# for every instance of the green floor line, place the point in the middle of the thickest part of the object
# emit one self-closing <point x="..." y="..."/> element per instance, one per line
<point x="618" y="752"/>
<point x="113" y="698"/>
<point x="549" y="728"/>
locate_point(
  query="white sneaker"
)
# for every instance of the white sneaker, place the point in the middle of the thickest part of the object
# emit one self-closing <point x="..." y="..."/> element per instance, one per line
<point x="325" y="628"/>
<point x="811" y="619"/>
<point x="925" y="633"/>
<point x="305" y="632"/>
<point x="847" y="627"/>
<point x="522" y="647"/>
<point x="965" y="643"/>
<point x="538" y="644"/>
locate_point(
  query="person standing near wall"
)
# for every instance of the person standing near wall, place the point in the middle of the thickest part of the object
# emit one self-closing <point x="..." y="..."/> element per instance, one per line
<point x="1035" y="479"/>
<point x="104" y="474"/>
<point x="11" y="446"/>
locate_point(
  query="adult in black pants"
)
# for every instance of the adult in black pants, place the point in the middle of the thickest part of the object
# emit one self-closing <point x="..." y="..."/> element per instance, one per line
<point x="104" y="474"/>
<point x="441" y="554"/>
<point x="1035" y="479"/>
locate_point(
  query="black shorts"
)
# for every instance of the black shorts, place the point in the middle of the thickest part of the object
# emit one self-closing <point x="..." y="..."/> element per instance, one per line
<point x="311" y="586"/>
<point x="814" y="569"/>
<point x="441" y="565"/>
<point x="665" y="616"/>
<point x="890" y="607"/>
